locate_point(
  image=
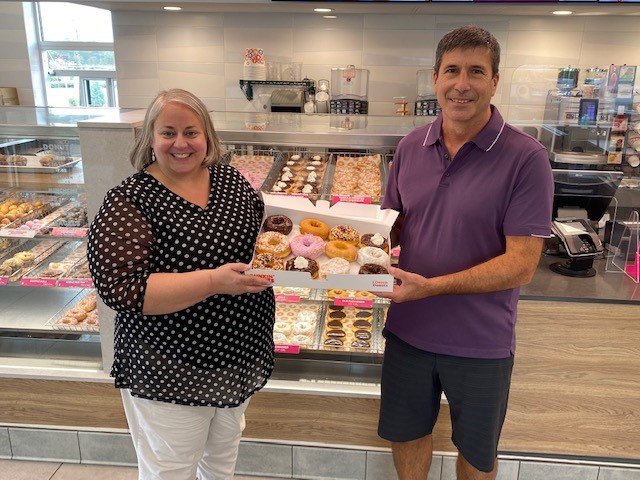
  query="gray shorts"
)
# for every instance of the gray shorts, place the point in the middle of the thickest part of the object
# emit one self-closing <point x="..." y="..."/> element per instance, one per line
<point x="477" y="390"/>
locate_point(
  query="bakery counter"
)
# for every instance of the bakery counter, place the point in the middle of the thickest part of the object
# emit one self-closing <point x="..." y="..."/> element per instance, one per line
<point x="609" y="285"/>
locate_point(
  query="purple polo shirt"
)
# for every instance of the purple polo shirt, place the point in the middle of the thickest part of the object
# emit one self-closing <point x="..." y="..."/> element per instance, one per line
<point x="456" y="215"/>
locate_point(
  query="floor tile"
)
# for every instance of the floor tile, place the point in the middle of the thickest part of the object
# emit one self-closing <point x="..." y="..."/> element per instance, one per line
<point x="25" y="470"/>
<point x="70" y="471"/>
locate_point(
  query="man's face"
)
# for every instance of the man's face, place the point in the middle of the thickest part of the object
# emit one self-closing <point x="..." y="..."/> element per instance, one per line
<point x="465" y="84"/>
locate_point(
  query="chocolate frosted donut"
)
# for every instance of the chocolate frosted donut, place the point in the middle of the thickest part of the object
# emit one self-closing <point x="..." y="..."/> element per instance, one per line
<point x="302" y="264"/>
<point x="374" y="240"/>
<point x="372" y="269"/>
<point x="278" y="223"/>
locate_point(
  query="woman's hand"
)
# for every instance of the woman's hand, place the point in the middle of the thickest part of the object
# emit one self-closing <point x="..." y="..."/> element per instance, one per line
<point x="229" y="279"/>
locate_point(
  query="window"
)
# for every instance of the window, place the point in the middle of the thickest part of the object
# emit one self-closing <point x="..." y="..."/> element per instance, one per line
<point x="76" y="49"/>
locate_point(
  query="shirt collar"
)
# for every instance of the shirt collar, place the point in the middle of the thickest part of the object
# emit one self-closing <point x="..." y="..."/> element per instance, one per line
<point x="485" y="140"/>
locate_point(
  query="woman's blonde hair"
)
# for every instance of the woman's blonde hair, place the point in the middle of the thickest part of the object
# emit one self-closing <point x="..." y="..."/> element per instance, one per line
<point x="141" y="154"/>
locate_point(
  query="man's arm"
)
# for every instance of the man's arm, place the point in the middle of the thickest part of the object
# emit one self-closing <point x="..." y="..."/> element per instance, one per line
<point x="512" y="269"/>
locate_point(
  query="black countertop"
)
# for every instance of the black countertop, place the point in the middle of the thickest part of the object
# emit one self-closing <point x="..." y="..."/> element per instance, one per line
<point x="609" y="285"/>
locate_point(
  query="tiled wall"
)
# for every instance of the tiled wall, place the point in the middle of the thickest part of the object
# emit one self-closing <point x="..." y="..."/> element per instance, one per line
<point x="289" y="461"/>
<point x="203" y="52"/>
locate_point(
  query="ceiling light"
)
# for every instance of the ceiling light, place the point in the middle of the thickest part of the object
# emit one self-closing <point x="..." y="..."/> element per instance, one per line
<point x="329" y="16"/>
<point x="173" y="9"/>
<point x="562" y="12"/>
<point x="323" y="10"/>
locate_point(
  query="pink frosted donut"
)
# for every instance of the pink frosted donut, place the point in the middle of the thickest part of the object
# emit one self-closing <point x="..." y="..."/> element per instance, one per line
<point x="307" y="245"/>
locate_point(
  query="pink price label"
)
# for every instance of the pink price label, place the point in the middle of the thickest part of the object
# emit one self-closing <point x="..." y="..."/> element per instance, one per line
<point x="16" y="233"/>
<point x="351" y="199"/>
<point x="69" y="232"/>
<point x="69" y="283"/>
<point x="353" y="302"/>
<point x="4" y="280"/>
<point x="287" y="298"/>
<point x="38" y="282"/>
<point x="290" y="349"/>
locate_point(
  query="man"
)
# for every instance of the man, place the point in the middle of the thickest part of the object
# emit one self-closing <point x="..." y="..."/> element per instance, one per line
<point x="475" y="199"/>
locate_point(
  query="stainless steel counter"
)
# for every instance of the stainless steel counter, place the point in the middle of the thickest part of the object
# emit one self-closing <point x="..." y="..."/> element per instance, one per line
<point x="607" y="286"/>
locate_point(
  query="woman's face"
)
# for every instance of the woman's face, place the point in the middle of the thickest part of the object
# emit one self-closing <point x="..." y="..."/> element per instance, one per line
<point x="179" y="140"/>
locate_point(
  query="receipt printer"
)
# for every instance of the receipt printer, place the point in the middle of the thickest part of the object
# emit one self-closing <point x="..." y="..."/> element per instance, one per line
<point x="582" y="245"/>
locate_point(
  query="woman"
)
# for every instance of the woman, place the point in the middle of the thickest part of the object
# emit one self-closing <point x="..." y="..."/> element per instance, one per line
<point x="193" y="334"/>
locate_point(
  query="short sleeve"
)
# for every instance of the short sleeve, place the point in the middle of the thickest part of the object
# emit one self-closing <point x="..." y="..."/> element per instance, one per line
<point x="119" y="252"/>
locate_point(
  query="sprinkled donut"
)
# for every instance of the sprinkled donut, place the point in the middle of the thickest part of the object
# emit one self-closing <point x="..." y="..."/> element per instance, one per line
<point x="346" y="233"/>
<point x="307" y="245"/>
<point x="373" y="255"/>
<point x="267" y="261"/>
<point x="273" y="242"/>
<point x="339" y="248"/>
<point x="314" y="227"/>
<point x="278" y="223"/>
<point x="334" y="266"/>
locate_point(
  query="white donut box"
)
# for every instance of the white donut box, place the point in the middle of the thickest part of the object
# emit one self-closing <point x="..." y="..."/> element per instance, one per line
<point x="365" y="218"/>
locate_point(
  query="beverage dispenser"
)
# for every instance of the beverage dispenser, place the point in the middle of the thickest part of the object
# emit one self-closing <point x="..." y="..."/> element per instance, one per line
<point x="349" y="91"/>
<point x="426" y="101"/>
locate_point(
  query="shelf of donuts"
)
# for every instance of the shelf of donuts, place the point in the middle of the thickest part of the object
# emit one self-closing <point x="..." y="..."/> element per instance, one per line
<point x="25" y="216"/>
<point x="351" y="327"/>
<point x="77" y="276"/>
<point x="79" y="315"/>
<point x="299" y="173"/>
<point x="320" y="246"/>
<point x="23" y="256"/>
<point x="296" y="326"/>
<point x="48" y="272"/>
<point x="255" y="165"/>
<point x="357" y="177"/>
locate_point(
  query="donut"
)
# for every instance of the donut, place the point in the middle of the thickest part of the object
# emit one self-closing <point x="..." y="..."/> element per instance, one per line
<point x="307" y="245"/>
<point x="273" y="242"/>
<point x="88" y="304"/>
<point x="346" y="233"/>
<point x="302" y="328"/>
<point x="336" y="265"/>
<point x="279" y="338"/>
<point x="373" y="255"/>
<point x="282" y="327"/>
<point x="267" y="261"/>
<point x="314" y="227"/>
<point x="76" y="313"/>
<point x="307" y="315"/>
<point x="372" y="269"/>
<point x="333" y="342"/>
<point x="374" y="240"/>
<point x="338" y="248"/>
<point x="302" y="264"/>
<point x="301" y="340"/>
<point x="278" y="223"/>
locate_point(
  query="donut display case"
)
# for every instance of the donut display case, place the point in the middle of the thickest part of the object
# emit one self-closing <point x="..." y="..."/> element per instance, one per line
<point x="43" y="227"/>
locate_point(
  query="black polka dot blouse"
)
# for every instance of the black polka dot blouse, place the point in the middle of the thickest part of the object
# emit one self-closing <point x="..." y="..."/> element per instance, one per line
<point x="215" y="353"/>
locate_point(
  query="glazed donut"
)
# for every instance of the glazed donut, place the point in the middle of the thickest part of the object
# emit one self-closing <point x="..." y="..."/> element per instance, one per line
<point x="279" y="338"/>
<point x="302" y="264"/>
<point x="76" y="313"/>
<point x="67" y="320"/>
<point x="282" y="327"/>
<point x="278" y="223"/>
<point x="88" y="304"/>
<point x="346" y="233"/>
<point x="273" y="242"/>
<point x="301" y="340"/>
<point x="267" y="261"/>
<point x="372" y="269"/>
<point x="314" y="227"/>
<point x="338" y="248"/>
<point x="373" y="255"/>
<point x="307" y="315"/>
<point x="374" y="240"/>
<point x="307" y="245"/>
<point x="302" y="328"/>
<point x="336" y="265"/>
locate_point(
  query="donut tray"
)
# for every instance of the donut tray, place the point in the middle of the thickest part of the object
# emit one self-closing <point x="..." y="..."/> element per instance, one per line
<point x="70" y="318"/>
<point x="255" y="166"/>
<point x="50" y="268"/>
<point x="356" y="177"/>
<point x="307" y="170"/>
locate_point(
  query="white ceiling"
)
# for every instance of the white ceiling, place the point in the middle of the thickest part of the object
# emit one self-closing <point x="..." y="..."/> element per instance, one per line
<point x="411" y="8"/>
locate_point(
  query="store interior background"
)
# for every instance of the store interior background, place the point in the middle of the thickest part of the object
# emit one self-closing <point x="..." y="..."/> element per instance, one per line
<point x="203" y="51"/>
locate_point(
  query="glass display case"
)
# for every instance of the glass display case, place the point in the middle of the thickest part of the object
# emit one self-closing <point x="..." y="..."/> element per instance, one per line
<point x="48" y="316"/>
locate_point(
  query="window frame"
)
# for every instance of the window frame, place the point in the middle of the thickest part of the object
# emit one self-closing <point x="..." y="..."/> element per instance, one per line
<point x="108" y="75"/>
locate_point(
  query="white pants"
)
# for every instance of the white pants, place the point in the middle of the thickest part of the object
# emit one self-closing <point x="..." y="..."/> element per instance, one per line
<point x="174" y="442"/>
